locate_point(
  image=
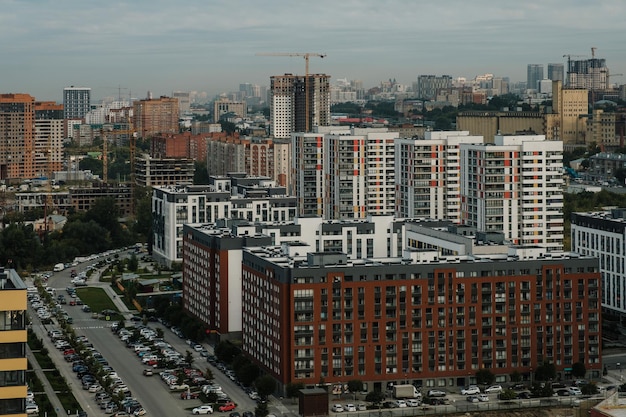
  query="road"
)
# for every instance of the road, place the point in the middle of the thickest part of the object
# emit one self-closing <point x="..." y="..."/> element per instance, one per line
<point x="151" y="392"/>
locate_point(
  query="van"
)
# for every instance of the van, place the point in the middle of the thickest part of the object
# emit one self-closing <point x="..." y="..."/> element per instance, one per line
<point x="59" y="267"/>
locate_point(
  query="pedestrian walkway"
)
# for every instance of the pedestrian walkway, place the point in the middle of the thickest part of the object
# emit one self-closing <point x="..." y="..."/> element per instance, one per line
<point x="52" y="397"/>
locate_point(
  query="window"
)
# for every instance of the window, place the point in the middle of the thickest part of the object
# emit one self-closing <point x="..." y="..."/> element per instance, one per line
<point x="12" y="320"/>
<point x="11" y="378"/>
<point x="12" y="350"/>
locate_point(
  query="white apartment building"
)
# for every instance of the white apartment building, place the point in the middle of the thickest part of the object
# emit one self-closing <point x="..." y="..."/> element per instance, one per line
<point x="428" y="175"/>
<point x="602" y="235"/>
<point x="514" y="186"/>
<point x="174" y="206"/>
<point x="344" y="173"/>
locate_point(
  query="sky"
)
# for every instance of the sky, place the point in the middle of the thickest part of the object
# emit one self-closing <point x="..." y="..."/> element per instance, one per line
<point x="136" y="46"/>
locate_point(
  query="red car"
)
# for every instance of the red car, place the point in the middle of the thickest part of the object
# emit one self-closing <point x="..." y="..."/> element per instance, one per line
<point x="189" y="395"/>
<point x="228" y="407"/>
<point x="69" y="352"/>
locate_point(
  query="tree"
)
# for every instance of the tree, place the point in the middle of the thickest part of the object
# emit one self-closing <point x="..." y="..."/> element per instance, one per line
<point x="354" y="386"/>
<point x="261" y="410"/>
<point x="589" y="389"/>
<point x="188" y="357"/>
<point x="545" y="372"/>
<point x="375" y="397"/>
<point x="541" y="391"/>
<point x="485" y="377"/>
<point x="293" y="389"/>
<point x="208" y="374"/>
<point x="133" y="263"/>
<point x="579" y="370"/>
<point x="508" y="394"/>
<point x="265" y="385"/>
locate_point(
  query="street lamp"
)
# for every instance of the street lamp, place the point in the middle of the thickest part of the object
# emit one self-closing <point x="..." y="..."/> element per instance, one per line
<point x="620" y="371"/>
<point x="531" y="376"/>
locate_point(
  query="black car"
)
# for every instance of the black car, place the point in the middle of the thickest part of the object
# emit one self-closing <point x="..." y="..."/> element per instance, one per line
<point x="389" y="404"/>
<point x="518" y="386"/>
<point x="524" y="395"/>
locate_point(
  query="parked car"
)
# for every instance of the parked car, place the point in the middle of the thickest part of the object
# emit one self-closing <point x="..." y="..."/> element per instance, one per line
<point x="228" y="406"/>
<point x="337" y="408"/>
<point x="472" y="398"/>
<point x="575" y="391"/>
<point x="148" y="372"/>
<point x="436" y="393"/>
<point x="350" y="407"/>
<point x="470" y="390"/>
<point x="363" y="407"/>
<point x="483" y="397"/>
<point x="189" y="395"/>
<point x="203" y="409"/>
<point x="32" y="409"/>
<point x="412" y="402"/>
<point x="494" y="389"/>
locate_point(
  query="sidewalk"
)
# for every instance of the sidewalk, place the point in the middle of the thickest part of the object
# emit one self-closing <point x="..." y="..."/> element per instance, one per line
<point x="52" y="397"/>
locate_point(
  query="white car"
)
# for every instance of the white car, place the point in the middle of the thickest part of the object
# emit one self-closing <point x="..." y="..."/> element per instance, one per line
<point x="337" y="408"/>
<point x="350" y="407"/>
<point x="494" y="389"/>
<point x="574" y="391"/>
<point x="471" y="390"/>
<point x="32" y="409"/>
<point x="203" y="409"/>
<point x="401" y="404"/>
<point x="483" y="397"/>
<point x="412" y="403"/>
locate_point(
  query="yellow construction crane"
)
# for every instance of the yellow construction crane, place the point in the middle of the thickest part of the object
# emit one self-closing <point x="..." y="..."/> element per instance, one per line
<point x="306" y="56"/>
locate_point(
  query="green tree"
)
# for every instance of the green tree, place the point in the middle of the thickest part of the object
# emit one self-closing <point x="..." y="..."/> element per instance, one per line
<point x="354" y="386"/>
<point x="579" y="370"/>
<point x="508" y="394"/>
<point x="375" y="397"/>
<point x="188" y="357"/>
<point x="537" y="390"/>
<point x="261" y="410"/>
<point x="265" y="385"/>
<point x="545" y="372"/>
<point x="293" y="389"/>
<point x="485" y="377"/>
<point x="589" y="389"/>
<point x="133" y="263"/>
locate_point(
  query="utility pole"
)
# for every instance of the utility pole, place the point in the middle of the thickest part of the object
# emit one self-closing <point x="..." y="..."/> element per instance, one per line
<point x="306" y="56"/>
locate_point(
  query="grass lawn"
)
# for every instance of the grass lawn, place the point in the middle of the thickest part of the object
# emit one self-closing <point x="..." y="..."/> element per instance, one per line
<point x="96" y="298"/>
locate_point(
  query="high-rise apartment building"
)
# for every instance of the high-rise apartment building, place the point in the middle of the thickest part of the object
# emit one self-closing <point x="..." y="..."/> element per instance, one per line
<point x="534" y="74"/>
<point x="429" y="85"/>
<point x="602" y="235"/>
<point x="342" y="173"/>
<point x="153" y="116"/>
<point x="76" y="102"/>
<point x="17" y="136"/>
<point x="514" y="186"/>
<point x="556" y="72"/>
<point x="13" y="338"/>
<point x="49" y="135"/>
<point x="428" y="175"/>
<point x="590" y="74"/>
<point x="288" y="103"/>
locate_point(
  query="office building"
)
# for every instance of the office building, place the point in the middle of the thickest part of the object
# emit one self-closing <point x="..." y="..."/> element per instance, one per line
<point x="602" y="235"/>
<point x="17" y="137"/>
<point x="422" y="318"/>
<point x="288" y="103"/>
<point x="236" y="196"/>
<point x="428" y="86"/>
<point x="534" y="74"/>
<point x="514" y="187"/>
<point x="76" y="102"/>
<point x="184" y="102"/>
<point x="232" y="109"/>
<point x="13" y="338"/>
<point x="428" y="173"/>
<point x="556" y="72"/>
<point x="154" y="116"/>
<point x="570" y="109"/>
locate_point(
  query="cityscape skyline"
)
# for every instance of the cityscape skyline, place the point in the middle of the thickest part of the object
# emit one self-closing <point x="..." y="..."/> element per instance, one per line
<point x="163" y="47"/>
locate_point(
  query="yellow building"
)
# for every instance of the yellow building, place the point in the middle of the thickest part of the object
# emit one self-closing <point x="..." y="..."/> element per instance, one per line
<point x="570" y="109"/>
<point x="13" y="362"/>
<point x="490" y="123"/>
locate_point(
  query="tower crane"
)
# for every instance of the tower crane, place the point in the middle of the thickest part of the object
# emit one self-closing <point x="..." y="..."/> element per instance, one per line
<point x="306" y="56"/>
